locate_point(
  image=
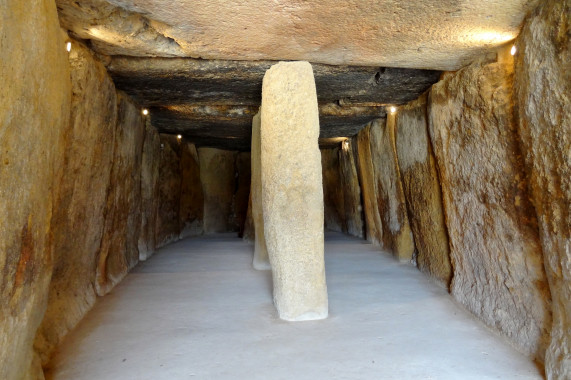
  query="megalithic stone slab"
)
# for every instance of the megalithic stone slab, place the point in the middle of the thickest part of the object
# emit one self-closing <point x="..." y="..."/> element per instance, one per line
<point x="261" y="259"/>
<point x="292" y="191"/>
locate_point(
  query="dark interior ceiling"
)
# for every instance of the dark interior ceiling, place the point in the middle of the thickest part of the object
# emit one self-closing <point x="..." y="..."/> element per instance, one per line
<point x="212" y="102"/>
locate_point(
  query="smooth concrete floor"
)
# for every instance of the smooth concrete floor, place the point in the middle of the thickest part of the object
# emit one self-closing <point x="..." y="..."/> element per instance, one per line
<point x="197" y="310"/>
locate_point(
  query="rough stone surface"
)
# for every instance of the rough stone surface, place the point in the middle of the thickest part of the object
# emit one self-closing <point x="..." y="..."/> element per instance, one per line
<point x="89" y="146"/>
<point x="218" y="179"/>
<point x="119" y="247"/>
<point x="249" y="233"/>
<point x="149" y="191"/>
<point x="191" y="209"/>
<point x="353" y="223"/>
<point x="494" y="242"/>
<point x="396" y="235"/>
<point x="333" y="192"/>
<point x="32" y="124"/>
<point x="543" y="88"/>
<point x="212" y="102"/>
<point x="242" y="193"/>
<point x="417" y="166"/>
<point x="443" y="35"/>
<point x="373" y="225"/>
<point x="261" y="259"/>
<point x="170" y="180"/>
<point x="292" y="192"/>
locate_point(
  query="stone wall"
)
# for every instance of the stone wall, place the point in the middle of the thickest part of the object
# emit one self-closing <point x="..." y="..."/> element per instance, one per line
<point x="34" y="114"/>
<point x="421" y="188"/>
<point x="543" y="89"/>
<point x="333" y="201"/>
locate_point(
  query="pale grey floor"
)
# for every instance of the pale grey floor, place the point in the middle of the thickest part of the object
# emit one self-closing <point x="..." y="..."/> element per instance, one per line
<point x="197" y="310"/>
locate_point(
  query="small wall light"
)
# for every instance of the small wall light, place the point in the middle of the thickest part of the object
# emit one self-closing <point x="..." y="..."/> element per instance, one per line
<point x="179" y="137"/>
<point x="68" y="47"/>
<point x="145" y="112"/>
<point x="393" y="109"/>
<point x="513" y="50"/>
<point x="345" y="145"/>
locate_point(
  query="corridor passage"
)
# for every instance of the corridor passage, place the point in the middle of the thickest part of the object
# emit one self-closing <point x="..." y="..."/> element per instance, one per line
<point x="197" y="310"/>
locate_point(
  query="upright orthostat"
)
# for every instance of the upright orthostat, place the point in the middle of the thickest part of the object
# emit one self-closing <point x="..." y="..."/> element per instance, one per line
<point x="261" y="259"/>
<point x="292" y="193"/>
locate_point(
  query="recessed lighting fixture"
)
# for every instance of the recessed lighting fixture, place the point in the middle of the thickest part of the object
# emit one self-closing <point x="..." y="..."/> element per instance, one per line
<point x="513" y="50"/>
<point x="145" y="112"/>
<point x="393" y="109"/>
<point x="345" y="145"/>
<point x="179" y="137"/>
<point x="68" y="46"/>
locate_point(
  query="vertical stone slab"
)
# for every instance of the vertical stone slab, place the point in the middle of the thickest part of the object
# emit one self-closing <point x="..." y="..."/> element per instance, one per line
<point x="373" y="225"/>
<point x="261" y="258"/>
<point x="292" y="193"/>
<point x="170" y="182"/>
<point x="494" y="242"/>
<point x="249" y="233"/>
<point x="242" y="195"/>
<point x="333" y="192"/>
<point x="191" y="209"/>
<point x="422" y="191"/>
<point x="397" y="235"/>
<point x="89" y="146"/>
<point x="351" y="191"/>
<point x="218" y="178"/>
<point x="119" y="246"/>
<point x="149" y="191"/>
<point x="543" y="90"/>
<point x="34" y="115"/>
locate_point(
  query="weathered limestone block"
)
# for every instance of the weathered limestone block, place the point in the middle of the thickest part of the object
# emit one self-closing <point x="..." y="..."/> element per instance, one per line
<point x="170" y="180"/>
<point x="34" y="114"/>
<point x="333" y="192"/>
<point x="78" y="221"/>
<point x="543" y="88"/>
<point x="218" y="178"/>
<point x="149" y="191"/>
<point x="191" y="209"/>
<point x="242" y="195"/>
<point x="494" y="242"/>
<point x="396" y="235"/>
<point x="373" y="225"/>
<point x="119" y="248"/>
<point x="292" y="193"/>
<point x="261" y="259"/>
<point x="353" y="223"/>
<point x="422" y="191"/>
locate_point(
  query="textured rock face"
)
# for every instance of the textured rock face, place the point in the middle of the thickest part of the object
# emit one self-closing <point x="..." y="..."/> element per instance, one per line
<point x="242" y="195"/>
<point x="353" y="224"/>
<point x="191" y="210"/>
<point x="333" y="193"/>
<point x="366" y="174"/>
<point x="422" y="191"/>
<point x="218" y="178"/>
<point x="168" y="223"/>
<point x="119" y="247"/>
<point x="261" y="260"/>
<point x="32" y="56"/>
<point x="494" y="244"/>
<point x="292" y="193"/>
<point x="149" y="191"/>
<point x="444" y="35"/>
<point x="396" y="232"/>
<point x="88" y="163"/>
<point x="543" y="85"/>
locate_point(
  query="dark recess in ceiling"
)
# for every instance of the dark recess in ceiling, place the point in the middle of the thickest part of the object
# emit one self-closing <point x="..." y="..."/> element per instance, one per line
<point x="212" y="102"/>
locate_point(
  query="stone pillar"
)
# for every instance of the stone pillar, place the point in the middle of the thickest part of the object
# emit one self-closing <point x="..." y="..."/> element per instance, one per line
<point x="261" y="259"/>
<point x="292" y="194"/>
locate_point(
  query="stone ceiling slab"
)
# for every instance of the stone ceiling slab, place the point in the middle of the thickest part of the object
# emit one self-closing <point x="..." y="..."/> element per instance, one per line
<point x="429" y="34"/>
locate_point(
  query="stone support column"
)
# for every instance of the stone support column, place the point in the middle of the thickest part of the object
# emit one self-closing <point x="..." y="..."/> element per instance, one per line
<point x="292" y="191"/>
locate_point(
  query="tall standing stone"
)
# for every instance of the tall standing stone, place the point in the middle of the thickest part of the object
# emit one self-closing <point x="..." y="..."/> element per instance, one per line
<point x="261" y="259"/>
<point x="292" y="194"/>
